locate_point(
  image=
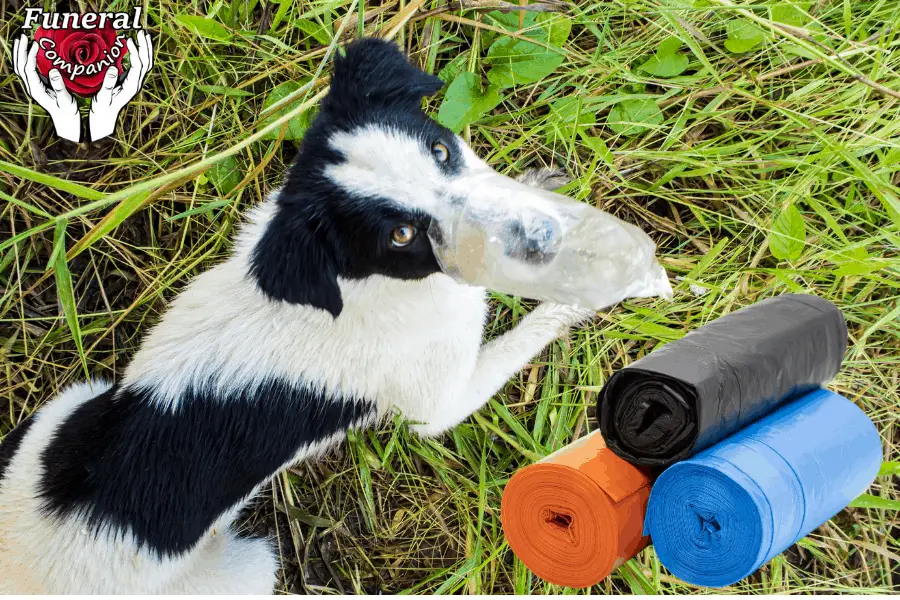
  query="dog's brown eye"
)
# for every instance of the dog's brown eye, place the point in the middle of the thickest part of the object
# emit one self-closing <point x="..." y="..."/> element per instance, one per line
<point x="440" y="152"/>
<point x="403" y="235"/>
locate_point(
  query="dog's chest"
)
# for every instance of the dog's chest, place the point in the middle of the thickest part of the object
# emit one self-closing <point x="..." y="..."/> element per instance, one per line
<point x="394" y="338"/>
<point x="410" y="343"/>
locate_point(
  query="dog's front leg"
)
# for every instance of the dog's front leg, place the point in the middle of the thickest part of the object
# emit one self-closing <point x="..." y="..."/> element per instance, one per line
<point x="500" y="359"/>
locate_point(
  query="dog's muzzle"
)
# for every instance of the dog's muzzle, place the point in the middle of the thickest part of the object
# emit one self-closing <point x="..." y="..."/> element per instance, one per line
<point x="524" y="241"/>
<point x="533" y="239"/>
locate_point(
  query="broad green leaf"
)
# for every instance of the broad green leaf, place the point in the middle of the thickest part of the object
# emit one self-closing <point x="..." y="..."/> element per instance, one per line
<point x="453" y="68"/>
<point x="668" y="65"/>
<point x="221" y="89"/>
<point x="225" y="175"/>
<point x="670" y="45"/>
<point x="558" y="28"/>
<point x="508" y="21"/>
<point x="465" y="102"/>
<point x="790" y="14"/>
<point x="870" y="501"/>
<point x="889" y="467"/>
<point x="517" y="62"/>
<point x="296" y="126"/>
<point x="204" y="27"/>
<point x="743" y="36"/>
<point x="788" y="234"/>
<point x="667" y="62"/>
<point x="634" y="116"/>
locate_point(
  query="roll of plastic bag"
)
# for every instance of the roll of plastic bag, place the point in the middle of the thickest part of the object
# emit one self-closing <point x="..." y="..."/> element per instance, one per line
<point x="523" y="241"/>
<point x="576" y="515"/>
<point x="716" y="518"/>
<point x="693" y="392"/>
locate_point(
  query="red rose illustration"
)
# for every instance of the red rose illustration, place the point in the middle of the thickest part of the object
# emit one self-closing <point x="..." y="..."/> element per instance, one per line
<point x="82" y="56"/>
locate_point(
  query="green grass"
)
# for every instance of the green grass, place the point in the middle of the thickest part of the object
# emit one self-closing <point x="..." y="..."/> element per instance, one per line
<point x="771" y="170"/>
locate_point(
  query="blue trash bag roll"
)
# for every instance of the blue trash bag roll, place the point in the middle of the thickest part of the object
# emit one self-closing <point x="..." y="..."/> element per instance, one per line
<point x="717" y="517"/>
<point x="693" y="392"/>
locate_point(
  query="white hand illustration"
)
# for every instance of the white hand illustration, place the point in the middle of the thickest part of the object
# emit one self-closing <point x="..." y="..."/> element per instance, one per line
<point x="108" y="102"/>
<point x="56" y="100"/>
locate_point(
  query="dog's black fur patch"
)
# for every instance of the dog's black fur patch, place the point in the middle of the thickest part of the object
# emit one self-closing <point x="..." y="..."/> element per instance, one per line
<point x="167" y="475"/>
<point x="11" y="443"/>
<point x="375" y="72"/>
<point x="319" y="232"/>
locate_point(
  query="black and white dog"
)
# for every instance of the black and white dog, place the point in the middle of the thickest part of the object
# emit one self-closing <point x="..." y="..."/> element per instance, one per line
<point x="330" y="313"/>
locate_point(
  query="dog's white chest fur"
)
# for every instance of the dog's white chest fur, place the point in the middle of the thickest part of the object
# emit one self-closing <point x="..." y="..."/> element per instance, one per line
<point x="400" y="344"/>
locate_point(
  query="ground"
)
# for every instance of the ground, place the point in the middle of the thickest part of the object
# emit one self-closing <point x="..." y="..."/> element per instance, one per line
<point x="757" y="143"/>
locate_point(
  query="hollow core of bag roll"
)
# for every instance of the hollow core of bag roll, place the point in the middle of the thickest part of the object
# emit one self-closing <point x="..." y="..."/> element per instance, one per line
<point x="661" y="421"/>
<point x="576" y="516"/>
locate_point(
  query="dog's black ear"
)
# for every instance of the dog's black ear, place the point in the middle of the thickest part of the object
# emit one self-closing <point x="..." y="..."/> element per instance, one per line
<point x="375" y="71"/>
<point x="293" y="262"/>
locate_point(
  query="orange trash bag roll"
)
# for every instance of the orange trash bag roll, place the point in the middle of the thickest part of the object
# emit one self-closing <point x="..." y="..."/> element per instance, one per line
<point x="577" y="515"/>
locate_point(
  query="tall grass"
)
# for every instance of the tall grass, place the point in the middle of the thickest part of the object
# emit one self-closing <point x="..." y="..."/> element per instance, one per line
<point x="768" y="163"/>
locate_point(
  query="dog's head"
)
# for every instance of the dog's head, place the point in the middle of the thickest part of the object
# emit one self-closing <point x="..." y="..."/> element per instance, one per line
<point x="374" y="173"/>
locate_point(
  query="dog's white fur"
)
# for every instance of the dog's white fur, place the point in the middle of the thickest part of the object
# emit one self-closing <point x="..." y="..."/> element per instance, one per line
<point x="51" y="556"/>
<point x="415" y="346"/>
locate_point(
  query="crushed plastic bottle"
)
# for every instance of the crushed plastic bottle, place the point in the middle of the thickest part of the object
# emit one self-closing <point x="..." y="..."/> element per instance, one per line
<point x="533" y="243"/>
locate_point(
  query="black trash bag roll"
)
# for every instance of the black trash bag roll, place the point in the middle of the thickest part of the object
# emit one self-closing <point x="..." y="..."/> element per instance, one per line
<point x="693" y="392"/>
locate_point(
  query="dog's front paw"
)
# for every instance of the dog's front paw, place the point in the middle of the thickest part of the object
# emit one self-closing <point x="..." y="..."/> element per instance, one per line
<point x="545" y="178"/>
<point x="561" y="317"/>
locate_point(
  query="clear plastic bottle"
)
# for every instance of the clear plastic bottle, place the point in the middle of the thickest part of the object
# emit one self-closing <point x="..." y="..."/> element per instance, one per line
<point x="523" y="241"/>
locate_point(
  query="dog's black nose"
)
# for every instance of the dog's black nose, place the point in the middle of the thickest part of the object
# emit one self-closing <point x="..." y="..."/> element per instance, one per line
<point x="536" y="244"/>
